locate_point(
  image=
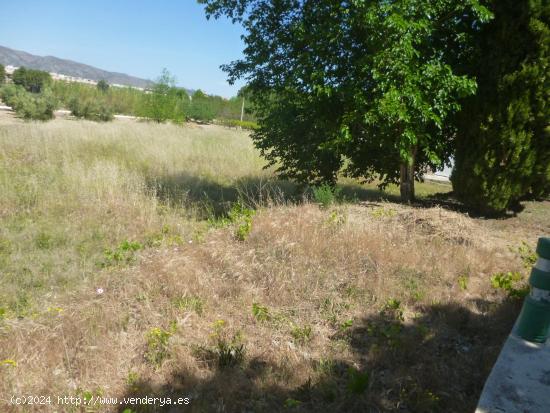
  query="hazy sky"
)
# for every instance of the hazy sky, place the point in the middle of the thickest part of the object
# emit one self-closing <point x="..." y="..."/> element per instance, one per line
<point x="137" y="37"/>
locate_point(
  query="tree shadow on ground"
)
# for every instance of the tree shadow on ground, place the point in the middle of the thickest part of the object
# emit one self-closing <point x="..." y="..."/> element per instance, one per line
<point x="437" y="362"/>
<point x="212" y="197"/>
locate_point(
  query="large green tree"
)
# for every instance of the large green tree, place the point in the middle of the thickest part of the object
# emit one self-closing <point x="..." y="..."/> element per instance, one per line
<point x="503" y="144"/>
<point x="359" y="86"/>
<point x="2" y="74"/>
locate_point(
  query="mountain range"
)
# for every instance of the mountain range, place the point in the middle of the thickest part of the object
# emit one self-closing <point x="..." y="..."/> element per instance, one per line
<point x="68" y="67"/>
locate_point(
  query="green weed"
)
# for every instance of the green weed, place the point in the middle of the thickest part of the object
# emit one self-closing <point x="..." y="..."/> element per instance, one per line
<point x="507" y="282"/>
<point x="189" y="303"/>
<point x="393" y="310"/>
<point x="260" y="312"/>
<point x="301" y="335"/>
<point x="123" y="254"/>
<point x="383" y="212"/>
<point x="242" y="218"/>
<point x="528" y="256"/>
<point x="463" y="282"/>
<point x="292" y="403"/>
<point x="227" y="350"/>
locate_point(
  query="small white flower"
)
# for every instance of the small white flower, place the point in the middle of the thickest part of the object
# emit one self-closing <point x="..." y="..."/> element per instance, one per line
<point x="99" y="290"/>
<point x="190" y="241"/>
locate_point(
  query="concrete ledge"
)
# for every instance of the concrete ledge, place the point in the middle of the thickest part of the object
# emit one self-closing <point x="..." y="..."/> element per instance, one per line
<point x="520" y="379"/>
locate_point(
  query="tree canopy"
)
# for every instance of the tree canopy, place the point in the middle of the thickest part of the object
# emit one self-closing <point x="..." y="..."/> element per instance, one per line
<point x="363" y="87"/>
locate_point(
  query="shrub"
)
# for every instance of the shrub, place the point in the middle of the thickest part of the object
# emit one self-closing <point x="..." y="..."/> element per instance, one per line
<point x="234" y="123"/>
<point x="2" y="74"/>
<point x="29" y="106"/>
<point x="34" y="81"/>
<point x="90" y="109"/>
<point x="9" y="93"/>
<point x="326" y="195"/>
<point x="242" y="217"/>
<point x="102" y="85"/>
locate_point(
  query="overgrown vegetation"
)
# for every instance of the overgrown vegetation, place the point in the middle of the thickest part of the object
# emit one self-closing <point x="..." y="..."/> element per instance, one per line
<point x="90" y="109"/>
<point x="122" y="254"/>
<point x="29" y="106"/>
<point x="34" y="81"/>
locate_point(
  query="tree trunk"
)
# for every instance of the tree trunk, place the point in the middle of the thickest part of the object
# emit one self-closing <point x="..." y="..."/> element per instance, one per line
<point x="406" y="184"/>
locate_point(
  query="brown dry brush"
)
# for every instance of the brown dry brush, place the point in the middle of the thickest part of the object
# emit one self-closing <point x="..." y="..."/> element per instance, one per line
<point x="351" y="308"/>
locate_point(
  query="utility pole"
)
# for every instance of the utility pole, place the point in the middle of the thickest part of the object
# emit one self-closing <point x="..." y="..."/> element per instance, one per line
<point x="242" y="110"/>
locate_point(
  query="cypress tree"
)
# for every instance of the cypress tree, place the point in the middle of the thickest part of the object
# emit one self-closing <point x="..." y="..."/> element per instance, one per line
<point x="503" y="144"/>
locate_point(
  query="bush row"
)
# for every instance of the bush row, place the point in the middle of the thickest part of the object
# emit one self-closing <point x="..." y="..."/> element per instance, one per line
<point x="29" y="106"/>
<point x="235" y="123"/>
<point x="90" y="109"/>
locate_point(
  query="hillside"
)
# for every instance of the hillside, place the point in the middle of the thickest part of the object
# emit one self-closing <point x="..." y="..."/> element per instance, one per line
<point x="67" y="67"/>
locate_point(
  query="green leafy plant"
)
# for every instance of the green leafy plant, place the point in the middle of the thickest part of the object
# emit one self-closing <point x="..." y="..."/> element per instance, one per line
<point x="346" y="325"/>
<point x="31" y="80"/>
<point x="123" y="254"/>
<point x="292" y="403"/>
<point x="507" y="282"/>
<point x="260" y="312"/>
<point x="234" y="123"/>
<point x="502" y="152"/>
<point x="241" y="216"/>
<point x="336" y="219"/>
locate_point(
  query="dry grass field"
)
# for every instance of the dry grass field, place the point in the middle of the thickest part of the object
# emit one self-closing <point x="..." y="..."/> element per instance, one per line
<point x="129" y="268"/>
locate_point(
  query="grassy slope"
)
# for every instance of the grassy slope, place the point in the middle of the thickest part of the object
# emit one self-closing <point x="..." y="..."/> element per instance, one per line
<point x="319" y="299"/>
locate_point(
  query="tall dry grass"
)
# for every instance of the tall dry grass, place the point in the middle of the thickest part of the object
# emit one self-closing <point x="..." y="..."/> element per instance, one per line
<point x="72" y="189"/>
<point x="363" y="306"/>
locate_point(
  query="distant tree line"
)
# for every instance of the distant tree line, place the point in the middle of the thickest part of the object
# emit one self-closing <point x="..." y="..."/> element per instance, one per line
<point x="164" y="102"/>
